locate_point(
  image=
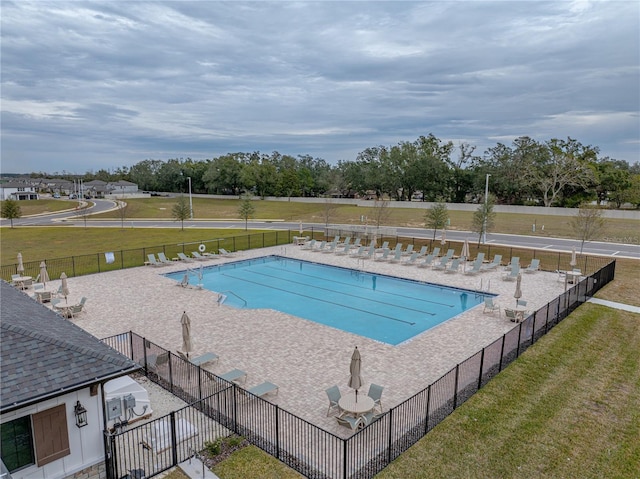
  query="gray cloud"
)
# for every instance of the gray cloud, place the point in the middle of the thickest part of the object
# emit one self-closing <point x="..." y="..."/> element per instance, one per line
<point x="90" y="85"/>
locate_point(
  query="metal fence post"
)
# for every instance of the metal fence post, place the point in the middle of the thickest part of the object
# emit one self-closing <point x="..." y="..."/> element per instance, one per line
<point x="481" y="367"/>
<point x="455" y="387"/>
<point x="426" y="418"/>
<point x="174" y="442"/>
<point x="502" y="352"/>
<point x="277" y="432"/>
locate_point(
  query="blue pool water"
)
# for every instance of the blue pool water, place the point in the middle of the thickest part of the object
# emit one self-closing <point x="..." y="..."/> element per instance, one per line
<point x="383" y="308"/>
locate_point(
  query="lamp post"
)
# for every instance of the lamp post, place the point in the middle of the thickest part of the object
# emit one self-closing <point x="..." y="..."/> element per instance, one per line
<point x="190" y="201"/>
<point x="486" y="200"/>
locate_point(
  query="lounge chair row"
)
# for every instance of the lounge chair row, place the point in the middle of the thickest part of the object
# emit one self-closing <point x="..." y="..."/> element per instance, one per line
<point x="163" y="260"/>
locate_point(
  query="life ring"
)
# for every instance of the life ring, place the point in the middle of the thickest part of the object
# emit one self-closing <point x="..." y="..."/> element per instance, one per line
<point x="201" y="248"/>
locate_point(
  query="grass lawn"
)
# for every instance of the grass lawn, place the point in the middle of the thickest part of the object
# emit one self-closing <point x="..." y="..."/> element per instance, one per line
<point x="568" y="407"/>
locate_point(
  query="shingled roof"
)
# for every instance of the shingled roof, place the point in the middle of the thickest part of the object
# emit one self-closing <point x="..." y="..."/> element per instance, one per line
<point x="44" y="355"/>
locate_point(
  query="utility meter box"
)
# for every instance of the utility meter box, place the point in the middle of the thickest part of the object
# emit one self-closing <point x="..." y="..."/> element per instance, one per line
<point x="114" y="408"/>
<point x="129" y="401"/>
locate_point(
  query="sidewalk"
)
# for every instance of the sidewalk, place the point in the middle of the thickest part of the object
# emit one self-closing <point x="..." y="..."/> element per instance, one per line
<point x="613" y="304"/>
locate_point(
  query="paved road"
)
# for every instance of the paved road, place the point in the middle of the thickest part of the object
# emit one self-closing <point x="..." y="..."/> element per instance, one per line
<point x="552" y="244"/>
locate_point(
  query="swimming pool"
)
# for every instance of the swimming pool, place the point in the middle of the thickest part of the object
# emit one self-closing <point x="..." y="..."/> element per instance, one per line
<point x="383" y="308"/>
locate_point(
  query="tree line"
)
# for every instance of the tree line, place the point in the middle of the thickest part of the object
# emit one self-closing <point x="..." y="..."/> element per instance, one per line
<point x="556" y="172"/>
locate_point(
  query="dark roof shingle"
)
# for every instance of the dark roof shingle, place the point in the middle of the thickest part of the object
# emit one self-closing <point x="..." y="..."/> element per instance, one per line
<point x="43" y="354"/>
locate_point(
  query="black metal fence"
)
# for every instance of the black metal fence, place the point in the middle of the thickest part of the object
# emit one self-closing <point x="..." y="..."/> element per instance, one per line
<point x="312" y="451"/>
<point x="114" y="260"/>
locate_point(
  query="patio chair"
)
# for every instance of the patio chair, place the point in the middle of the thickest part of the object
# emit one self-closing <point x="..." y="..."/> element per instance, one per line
<point x="375" y="393"/>
<point x="360" y="251"/>
<point x="513" y="274"/>
<point x="512" y="315"/>
<point x="184" y="257"/>
<point x="397" y="256"/>
<point x="384" y="256"/>
<point x="263" y="389"/>
<point x="477" y="265"/>
<point x="199" y="360"/>
<point x="490" y="306"/>
<point x="235" y="375"/>
<point x="497" y="259"/>
<point x="199" y="257"/>
<point x="368" y="418"/>
<point x="320" y="246"/>
<point x="309" y="245"/>
<point x="423" y="251"/>
<point x="409" y="250"/>
<point x="331" y="247"/>
<point x="412" y="259"/>
<point x="453" y="267"/>
<point x="224" y="252"/>
<point x="163" y="259"/>
<point x="436" y="252"/>
<point x="152" y="260"/>
<point x="333" y="393"/>
<point x="384" y="246"/>
<point x="344" y="250"/>
<point x="352" y="423"/>
<point x="75" y="309"/>
<point x="428" y="260"/>
<point x="442" y="264"/>
<point x="533" y="267"/>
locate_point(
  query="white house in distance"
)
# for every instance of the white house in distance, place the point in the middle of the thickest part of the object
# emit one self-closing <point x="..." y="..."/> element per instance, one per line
<point x="17" y="191"/>
<point x="52" y="412"/>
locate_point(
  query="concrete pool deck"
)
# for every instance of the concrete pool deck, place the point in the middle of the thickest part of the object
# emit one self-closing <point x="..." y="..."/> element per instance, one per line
<point x="302" y="357"/>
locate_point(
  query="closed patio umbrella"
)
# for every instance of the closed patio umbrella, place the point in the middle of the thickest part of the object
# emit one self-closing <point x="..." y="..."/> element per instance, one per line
<point x="44" y="276"/>
<point x="300" y="230"/>
<point x="187" y="347"/>
<point x="465" y="249"/>
<point x="65" y="287"/>
<point x="518" y="292"/>
<point x="20" y="268"/>
<point x="465" y="254"/>
<point x="355" y="380"/>
<point x="443" y="241"/>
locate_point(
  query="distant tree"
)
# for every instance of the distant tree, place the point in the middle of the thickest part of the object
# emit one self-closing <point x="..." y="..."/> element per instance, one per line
<point x="328" y="210"/>
<point x="11" y="210"/>
<point x="246" y="210"/>
<point x="483" y="218"/>
<point x="587" y="223"/>
<point x="436" y="217"/>
<point x="181" y="210"/>
<point x="380" y="212"/>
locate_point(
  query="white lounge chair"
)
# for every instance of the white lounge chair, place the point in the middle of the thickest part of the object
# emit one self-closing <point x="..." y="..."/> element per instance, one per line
<point x="453" y="266"/>
<point x="384" y="256"/>
<point x="264" y="389"/>
<point x="396" y="257"/>
<point x="428" y="260"/>
<point x="423" y="251"/>
<point x="309" y="245"/>
<point x="224" y="252"/>
<point x="533" y="267"/>
<point x="184" y="257"/>
<point x="199" y="360"/>
<point x="512" y="275"/>
<point x="152" y="260"/>
<point x="497" y="259"/>
<point x="320" y="247"/>
<point x="163" y="259"/>
<point x="413" y="259"/>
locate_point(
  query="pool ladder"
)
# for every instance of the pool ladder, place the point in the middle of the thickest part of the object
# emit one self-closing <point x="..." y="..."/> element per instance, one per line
<point x="222" y="297"/>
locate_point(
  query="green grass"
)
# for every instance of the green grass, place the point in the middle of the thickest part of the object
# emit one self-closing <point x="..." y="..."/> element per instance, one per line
<point x="255" y="463"/>
<point x="568" y="407"/>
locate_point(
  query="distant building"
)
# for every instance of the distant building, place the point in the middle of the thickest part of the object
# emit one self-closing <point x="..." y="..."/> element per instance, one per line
<point x="17" y="191"/>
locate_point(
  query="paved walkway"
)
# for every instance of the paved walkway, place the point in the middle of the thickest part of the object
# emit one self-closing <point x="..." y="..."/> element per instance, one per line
<point x="303" y="358"/>
<point x="613" y="304"/>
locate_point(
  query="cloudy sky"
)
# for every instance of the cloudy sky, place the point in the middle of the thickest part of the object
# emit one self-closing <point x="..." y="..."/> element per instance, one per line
<point x="99" y="85"/>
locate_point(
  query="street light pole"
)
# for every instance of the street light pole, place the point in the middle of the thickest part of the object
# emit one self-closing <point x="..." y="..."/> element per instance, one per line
<point x="486" y="200"/>
<point x="190" y="201"/>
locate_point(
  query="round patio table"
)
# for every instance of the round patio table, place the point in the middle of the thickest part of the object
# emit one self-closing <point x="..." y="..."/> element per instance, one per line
<point x="349" y="405"/>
